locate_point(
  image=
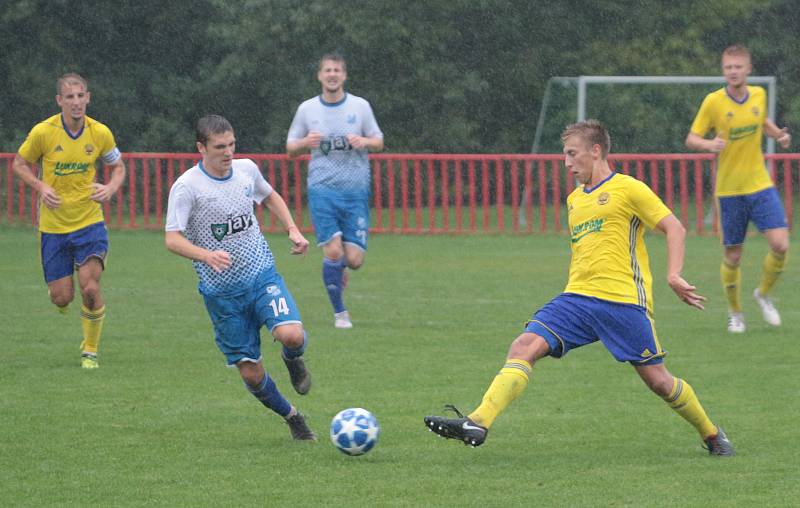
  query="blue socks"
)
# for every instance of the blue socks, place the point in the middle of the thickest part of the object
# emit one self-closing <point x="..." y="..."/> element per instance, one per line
<point x="332" y="272"/>
<point x="291" y="354"/>
<point x="269" y="395"/>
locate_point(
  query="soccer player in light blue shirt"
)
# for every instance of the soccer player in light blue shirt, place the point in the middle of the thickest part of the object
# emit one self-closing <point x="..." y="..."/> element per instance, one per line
<point x="339" y="129"/>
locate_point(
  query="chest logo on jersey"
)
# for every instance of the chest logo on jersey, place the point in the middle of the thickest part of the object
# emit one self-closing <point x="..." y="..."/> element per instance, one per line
<point x="234" y="225"/>
<point x="58" y="149"/>
<point x="70" y="168"/>
<point x="351" y="119"/>
<point x="755" y="110"/>
<point x="89" y="149"/>
<point x="586" y="228"/>
<point x="603" y="198"/>
<point x="334" y="143"/>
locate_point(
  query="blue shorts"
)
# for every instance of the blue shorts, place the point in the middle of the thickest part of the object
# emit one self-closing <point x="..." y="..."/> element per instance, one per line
<point x="764" y="208"/>
<point x="334" y="214"/>
<point x="62" y="252"/>
<point x="238" y="319"/>
<point x="570" y="321"/>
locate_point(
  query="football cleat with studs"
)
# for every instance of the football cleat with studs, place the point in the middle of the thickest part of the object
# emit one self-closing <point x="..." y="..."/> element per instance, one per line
<point x="461" y="428"/>
<point x="719" y="445"/>
<point x="89" y="361"/>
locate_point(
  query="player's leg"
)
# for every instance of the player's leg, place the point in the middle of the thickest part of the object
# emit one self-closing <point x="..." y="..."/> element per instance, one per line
<point x="682" y="399"/>
<point x="91" y="246"/>
<point x="58" y="266"/>
<point x="734" y="217"/>
<point x="322" y="207"/>
<point x="543" y="336"/>
<point x="769" y="217"/>
<point x="276" y="309"/>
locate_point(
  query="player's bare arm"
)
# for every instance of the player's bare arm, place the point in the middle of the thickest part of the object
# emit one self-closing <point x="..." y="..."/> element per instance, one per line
<point x="676" y="246"/>
<point x="782" y="136"/>
<point x="176" y="243"/>
<point x="277" y="206"/>
<point x="24" y="170"/>
<point x="104" y="192"/>
<point x="304" y="145"/>
<point x="700" y="144"/>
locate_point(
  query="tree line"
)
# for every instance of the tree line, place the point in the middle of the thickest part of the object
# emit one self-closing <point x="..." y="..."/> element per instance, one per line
<point x="464" y="76"/>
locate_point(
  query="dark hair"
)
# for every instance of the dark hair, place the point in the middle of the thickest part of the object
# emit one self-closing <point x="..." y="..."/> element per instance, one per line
<point x="335" y="57"/>
<point x="211" y="124"/>
<point x="71" y="78"/>
<point x="593" y="132"/>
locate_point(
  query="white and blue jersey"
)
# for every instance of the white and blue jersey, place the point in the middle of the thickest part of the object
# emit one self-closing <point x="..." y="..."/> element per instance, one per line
<point x="218" y="214"/>
<point x="336" y="165"/>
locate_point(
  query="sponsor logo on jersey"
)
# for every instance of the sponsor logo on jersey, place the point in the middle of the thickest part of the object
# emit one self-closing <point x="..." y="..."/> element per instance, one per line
<point x="70" y="168"/>
<point x="586" y="228"/>
<point x="234" y="225"/>
<point x="742" y="132"/>
<point x="334" y="143"/>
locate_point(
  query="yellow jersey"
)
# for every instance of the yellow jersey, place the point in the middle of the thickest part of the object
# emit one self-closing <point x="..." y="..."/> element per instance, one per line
<point x="740" y="168"/>
<point x="68" y="165"/>
<point x="607" y="225"/>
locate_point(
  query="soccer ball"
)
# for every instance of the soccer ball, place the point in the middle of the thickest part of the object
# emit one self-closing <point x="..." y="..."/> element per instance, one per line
<point x="354" y="431"/>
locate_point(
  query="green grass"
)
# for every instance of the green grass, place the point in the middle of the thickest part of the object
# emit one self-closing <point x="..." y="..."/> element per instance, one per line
<point x="163" y="423"/>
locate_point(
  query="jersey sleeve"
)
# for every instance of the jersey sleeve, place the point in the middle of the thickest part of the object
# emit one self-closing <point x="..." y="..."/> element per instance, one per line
<point x="371" y="128"/>
<point x="703" y="122"/>
<point x="261" y="188"/>
<point x="298" y="129"/>
<point x="647" y="205"/>
<point x="31" y="149"/>
<point x="179" y="207"/>
<point x="109" y="151"/>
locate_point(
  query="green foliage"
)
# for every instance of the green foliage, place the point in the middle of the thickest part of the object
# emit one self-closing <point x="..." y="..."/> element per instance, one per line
<point x="456" y="76"/>
<point x="164" y="423"/>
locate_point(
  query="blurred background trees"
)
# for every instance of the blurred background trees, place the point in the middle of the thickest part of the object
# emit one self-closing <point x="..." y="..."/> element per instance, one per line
<point x="442" y="76"/>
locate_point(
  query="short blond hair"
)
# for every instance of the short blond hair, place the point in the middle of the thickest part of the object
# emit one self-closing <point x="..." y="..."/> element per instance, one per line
<point x="71" y="78"/>
<point x="736" y="50"/>
<point x="591" y="131"/>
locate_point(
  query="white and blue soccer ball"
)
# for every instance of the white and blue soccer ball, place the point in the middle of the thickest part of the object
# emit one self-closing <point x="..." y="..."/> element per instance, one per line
<point x="354" y="431"/>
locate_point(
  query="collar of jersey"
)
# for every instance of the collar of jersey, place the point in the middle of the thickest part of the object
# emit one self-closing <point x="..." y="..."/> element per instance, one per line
<point x="585" y="191"/>
<point x="739" y="102"/>
<point x="333" y="104"/>
<point x="69" y="133"/>
<point x="216" y="178"/>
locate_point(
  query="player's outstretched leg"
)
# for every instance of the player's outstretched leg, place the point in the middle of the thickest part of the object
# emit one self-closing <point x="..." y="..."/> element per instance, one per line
<point x="461" y="428"/>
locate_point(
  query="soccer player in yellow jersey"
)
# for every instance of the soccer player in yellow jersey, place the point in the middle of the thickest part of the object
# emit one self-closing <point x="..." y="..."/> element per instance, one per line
<point x="737" y="115"/>
<point x="608" y="295"/>
<point x="71" y="228"/>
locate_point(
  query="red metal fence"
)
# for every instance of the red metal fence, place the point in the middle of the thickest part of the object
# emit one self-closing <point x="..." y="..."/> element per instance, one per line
<point x="427" y="193"/>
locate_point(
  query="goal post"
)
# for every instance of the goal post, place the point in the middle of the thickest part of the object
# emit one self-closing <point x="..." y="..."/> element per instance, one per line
<point x="581" y="84"/>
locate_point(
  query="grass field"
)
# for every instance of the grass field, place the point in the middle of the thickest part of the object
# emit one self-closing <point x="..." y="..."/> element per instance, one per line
<point x="163" y="423"/>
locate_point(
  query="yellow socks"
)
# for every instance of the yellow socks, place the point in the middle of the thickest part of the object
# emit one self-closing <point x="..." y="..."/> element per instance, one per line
<point x="772" y="268"/>
<point x="92" y="323"/>
<point x="684" y="401"/>
<point x="506" y="386"/>
<point x="732" y="285"/>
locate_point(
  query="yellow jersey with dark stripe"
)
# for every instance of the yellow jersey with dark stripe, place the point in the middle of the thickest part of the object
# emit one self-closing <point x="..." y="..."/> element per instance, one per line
<point x="740" y="169"/>
<point x="68" y="165"/>
<point x="607" y="225"/>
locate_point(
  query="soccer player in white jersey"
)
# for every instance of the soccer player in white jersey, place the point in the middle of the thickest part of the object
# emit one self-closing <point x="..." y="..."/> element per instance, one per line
<point x="339" y="129"/>
<point x="210" y="220"/>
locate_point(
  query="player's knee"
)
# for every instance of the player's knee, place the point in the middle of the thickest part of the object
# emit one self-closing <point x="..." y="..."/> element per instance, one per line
<point x="780" y="247"/>
<point x="291" y="336"/>
<point x="61" y="298"/>
<point x="660" y="385"/>
<point x="529" y="347"/>
<point x="90" y="291"/>
<point x="355" y="264"/>
<point x="733" y="258"/>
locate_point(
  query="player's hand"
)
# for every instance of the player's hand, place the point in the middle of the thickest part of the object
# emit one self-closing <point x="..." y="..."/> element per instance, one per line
<point x="686" y="292"/>
<point x="356" y="141"/>
<point x="299" y="242"/>
<point x="784" y="139"/>
<point x="218" y="260"/>
<point x="312" y="139"/>
<point x="716" y="145"/>
<point x="49" y="196"/>
<point x="102" y="193"/>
